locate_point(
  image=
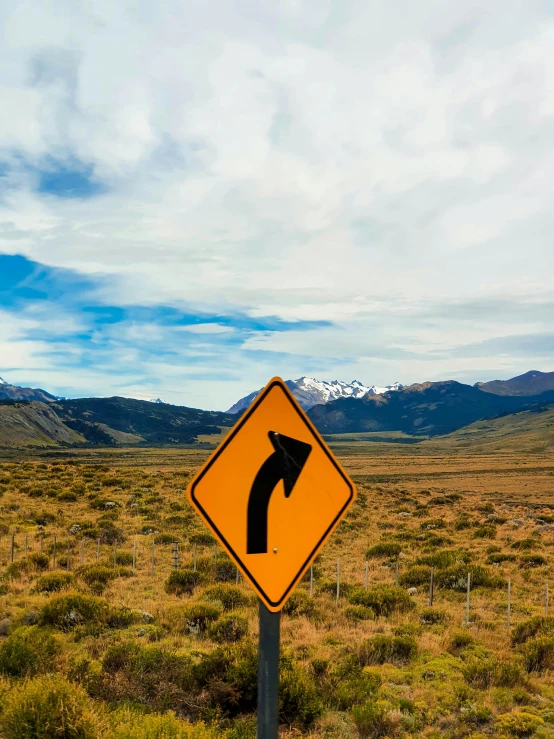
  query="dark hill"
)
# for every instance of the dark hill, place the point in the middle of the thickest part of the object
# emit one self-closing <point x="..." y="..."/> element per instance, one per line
<point x="14" y="392"/>
<point x="430" y="408"/>
<point x="124" y="420"/>
<point x="531" y="383"/>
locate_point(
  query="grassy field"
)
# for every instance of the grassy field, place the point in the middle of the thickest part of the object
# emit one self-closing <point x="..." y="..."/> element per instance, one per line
<point x="150" y="651"/>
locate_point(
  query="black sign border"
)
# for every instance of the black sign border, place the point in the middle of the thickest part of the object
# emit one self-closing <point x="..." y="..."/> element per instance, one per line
<point x="227" y="441"/>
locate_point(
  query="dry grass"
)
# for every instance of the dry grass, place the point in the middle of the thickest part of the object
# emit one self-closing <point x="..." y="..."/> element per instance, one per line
<point x="417" y="497"/>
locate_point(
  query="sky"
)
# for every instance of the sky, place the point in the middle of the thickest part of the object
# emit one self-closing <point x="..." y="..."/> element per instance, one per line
<point x="195" y="197"/>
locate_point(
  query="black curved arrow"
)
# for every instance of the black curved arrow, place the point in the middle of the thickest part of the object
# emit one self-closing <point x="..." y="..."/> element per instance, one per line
<point x="286" y="463"/>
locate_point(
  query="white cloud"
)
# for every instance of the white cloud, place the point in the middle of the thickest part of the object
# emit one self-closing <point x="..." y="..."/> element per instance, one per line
<point x="308" y="161"/>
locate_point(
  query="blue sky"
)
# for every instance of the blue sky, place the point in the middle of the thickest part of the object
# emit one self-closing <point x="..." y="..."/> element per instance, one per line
<point x="193" y="200"/>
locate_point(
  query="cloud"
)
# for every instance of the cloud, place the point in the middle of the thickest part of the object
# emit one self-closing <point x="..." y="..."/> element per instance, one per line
<point x="373" y="179"/>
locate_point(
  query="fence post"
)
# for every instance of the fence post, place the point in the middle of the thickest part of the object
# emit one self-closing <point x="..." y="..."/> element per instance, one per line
<point x="366" y="576"/>
<point x="338" y="579"/>
<point x="12" y="547"/>
<point x="311" y="580"/>
<point x="97" y="549"/>
<point x="115" y="552"/>
<point x="134" y="556"/>
<point x="238" y="576"/>
<point x="175" y="555"/>
<point x="26" y="544"/>
<point x="396" y="573"/>
<point x="467" y="597"/>
<point x="54" y="551"/>
<point x="83" y="550"/>
<point x="431" y="587"/>
<point x="194" y="556"/>
<point x="68" y="564"/>
<point x="153" y="562"/>
<point x="508" y="610"/>
<point x="546" y="599"/>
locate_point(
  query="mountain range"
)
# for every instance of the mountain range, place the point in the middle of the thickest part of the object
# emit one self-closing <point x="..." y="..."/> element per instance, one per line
<point x="309" y="392"/>
<point x="33" y="417"/>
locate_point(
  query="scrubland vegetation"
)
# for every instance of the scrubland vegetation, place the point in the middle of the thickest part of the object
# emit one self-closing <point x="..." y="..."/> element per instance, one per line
<point x="98" y="641"/>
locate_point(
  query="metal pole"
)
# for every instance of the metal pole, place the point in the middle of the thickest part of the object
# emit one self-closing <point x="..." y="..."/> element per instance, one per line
<point x="338" y="579"/>
<point x="431" y="587"/>
<point x="311" y="580"/>
<point x="175" y="555"/>
<point x="508" y="610"/>
<point x="366" y="578"/>
<point x="12" y="547"/>
<point x="134" y="556"/>
<point x="268" y="673"/>
<point x="467" y="597"/>
<point x="54" y="551"/>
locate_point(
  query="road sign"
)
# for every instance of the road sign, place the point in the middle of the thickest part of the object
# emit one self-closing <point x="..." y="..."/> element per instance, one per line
<point x="272" y="493"/>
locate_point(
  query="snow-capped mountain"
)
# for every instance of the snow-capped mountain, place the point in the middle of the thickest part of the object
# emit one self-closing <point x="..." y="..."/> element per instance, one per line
<point x="3" y="382"/>
<point x="156" y="400"/>
<point x="309" y="392"/>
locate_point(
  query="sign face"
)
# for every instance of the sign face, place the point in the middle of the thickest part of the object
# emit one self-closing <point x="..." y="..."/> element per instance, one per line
<point x="272" y="493"/>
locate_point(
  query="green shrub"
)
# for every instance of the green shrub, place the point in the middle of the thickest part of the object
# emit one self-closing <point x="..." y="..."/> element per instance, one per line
<point x="538" y="654"/>
<point x="415" y="576"/>
<point x="528" y="561"/>
<point x="496" y="558"/>
<point x="165" y="538"/>
<point x="134" y="725"/>
<point x="460" y="641"/>
<point x="49" y="707"/>
<point x="300" y="604"/>
<point x="383" y="600"/>
<point x="225" y="570"/>
<point x="525" y="544"/>
<point x="464" y="521"/>
<point x="230" y="597"/>
<point x="39" y="562"/>
<point x="383" y="648"/>
<point x="299" y="701"/>
<point x="485" y="532"/>
<point x="202" y="538"/>
<point x="455" y="578"/>
<point x="390" y="549"/>
<point x="444" y="558"/>
<point x="374" y="720"/>
<point x="65" y="612"/>
<point x="485" y="673"/>
<point x="536" y="626"/>
<point x="124" y="559"/>
<point x="67" y="497"/>
<point x="27" y="652"/>
<point x="53" y="582"/>
<point x="183" y="582"/>
<point x="359" y="613"/>
<point x="431" y="616"/>
<point x="198" y="616"/>
<point x="97" y="576"/>
<point x="229" y="628"/>
<point x="517" y="724"/>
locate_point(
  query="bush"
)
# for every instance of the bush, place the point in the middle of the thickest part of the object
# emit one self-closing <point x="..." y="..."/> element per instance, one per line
<point x="485" y="673"/>
<point x="183" y="582"/>
<point x="65" y="612"/>
<point x="229" y="596"/>
<point x="198" y="616"/>
<point x="517" y="725"/>
<point x="382" y="648"/>
<point x="455" y="578"/>
<point x="40" y="562"/>
<point x="97" y="576"/>
<point x="444" y="558"/>
<point x="536" y="626"/>
<point x="124" y="558"/>
<point x="538" y="654"/>
<point x="230" y="628"/>
<point x="134" y="725"/>
<point x="202" y="538"/>
<point x="359" y="613"/>
<point x="300" y="604"/>
<point x="389" y="549"/>
<point x="528" y="561"/>
<point x="299" y="702"/>
<point x="431" y="616"/>
<point x="460" y="641"/>
<point x="497" y="558"/>
<point x="415" y="576"/>
<point x="485" y="532"/>
<point x="27" y="652"/>
<point x="225" y="570"/>
<point x="525" y="544"/>
<point x="165" y="538"/>
<point x="68" y="497"/>
<point x="383" y="600"/>
<point x="375" y="719"/>
<point x="49" y="707"/>
<point x="53" y="582"/>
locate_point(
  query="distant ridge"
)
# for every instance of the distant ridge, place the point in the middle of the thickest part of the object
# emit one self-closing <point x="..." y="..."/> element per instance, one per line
<point x="531" y="383"/>
<point x="14" y="392"/>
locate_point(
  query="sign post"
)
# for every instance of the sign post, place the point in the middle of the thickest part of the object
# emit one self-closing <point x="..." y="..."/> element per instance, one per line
<point x="272" y="493"/>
